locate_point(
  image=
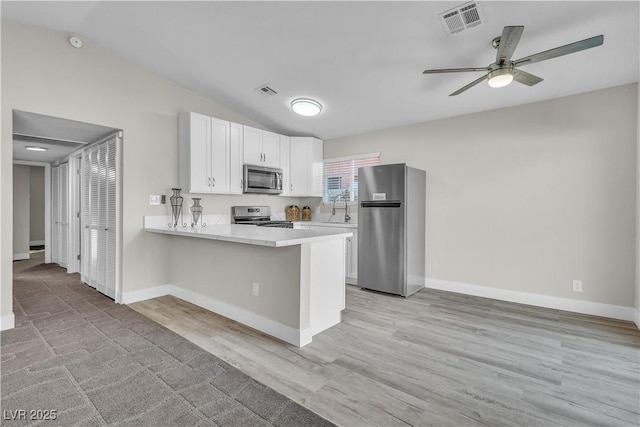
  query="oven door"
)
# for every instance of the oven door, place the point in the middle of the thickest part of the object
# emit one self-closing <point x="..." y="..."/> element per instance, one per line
<point x="260" y="179"/>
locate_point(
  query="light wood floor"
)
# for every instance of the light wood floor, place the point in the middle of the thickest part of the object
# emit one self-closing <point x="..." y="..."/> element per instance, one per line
<point x="437" y="358"/>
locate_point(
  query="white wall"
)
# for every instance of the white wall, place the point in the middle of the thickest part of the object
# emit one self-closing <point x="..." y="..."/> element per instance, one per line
<point x="42" y="73"/>
<point x="637" y="303"/>
<point x="36" y="204"/>
<point x="527" y="198"/>
<point x="21" y="175"/>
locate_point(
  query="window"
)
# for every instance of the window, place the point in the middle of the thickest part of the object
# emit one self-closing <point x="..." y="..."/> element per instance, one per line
<point x="341" y="176"/>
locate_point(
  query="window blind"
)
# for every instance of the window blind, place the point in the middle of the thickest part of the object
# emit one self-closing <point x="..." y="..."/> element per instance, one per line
<point x="340" y="176"/>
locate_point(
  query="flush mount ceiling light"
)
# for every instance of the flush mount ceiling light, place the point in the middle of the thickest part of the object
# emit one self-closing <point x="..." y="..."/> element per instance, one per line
<point x="33" y="148"/>
<point x="500" y="77"/>
<point x="306" y="107"/>
<point x="75" y="41"/>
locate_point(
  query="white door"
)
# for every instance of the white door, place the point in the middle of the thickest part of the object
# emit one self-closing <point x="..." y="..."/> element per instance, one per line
<point x="100" y="211"/>
<point x="63" y="215"/>
<point x="55" y="213"/>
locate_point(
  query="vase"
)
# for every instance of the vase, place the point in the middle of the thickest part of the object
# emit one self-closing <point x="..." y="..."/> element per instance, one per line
<point x="176" y="207"/>
<point x="196" y="212"/>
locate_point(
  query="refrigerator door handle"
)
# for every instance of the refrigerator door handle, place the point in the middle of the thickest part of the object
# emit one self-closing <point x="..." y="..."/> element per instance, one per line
<point x="381" y="204"/>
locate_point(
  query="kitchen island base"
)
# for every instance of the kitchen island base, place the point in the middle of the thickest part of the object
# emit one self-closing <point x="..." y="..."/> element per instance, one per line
<point x="290" y="292"/>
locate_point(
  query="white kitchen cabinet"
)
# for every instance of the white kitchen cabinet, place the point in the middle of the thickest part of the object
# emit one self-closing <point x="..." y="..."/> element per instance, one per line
<point x="351" y="248"/>
<point x="284" y="165"/>
<point x="305" y="167"/>
<point x="261" y="148"/>
<point x="351" y="262"/>
<point x="236" y="160"/>
<point x="204" y="154"/>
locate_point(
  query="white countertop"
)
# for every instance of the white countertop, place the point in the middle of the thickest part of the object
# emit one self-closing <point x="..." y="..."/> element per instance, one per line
<point x="252" y="235"/>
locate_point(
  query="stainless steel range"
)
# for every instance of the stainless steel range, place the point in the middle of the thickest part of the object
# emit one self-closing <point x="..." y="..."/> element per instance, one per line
<point x="256" y="215"/>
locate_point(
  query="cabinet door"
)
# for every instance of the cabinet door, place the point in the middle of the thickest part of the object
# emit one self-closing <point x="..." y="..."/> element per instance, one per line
<point x="299" y="166"/>
<point x="284" y="164"/>
<point x="316" y="166"/>
<point x="252" y="140"/>
<point x="352" y="259"/>
<point x="236" y="160"/>
<point x="220" y="155"/>
<point x="199" y="144"/>
<point x="270" y="149"/>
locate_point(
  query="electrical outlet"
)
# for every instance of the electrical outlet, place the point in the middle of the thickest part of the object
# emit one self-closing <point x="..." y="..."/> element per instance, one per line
<point x="577" y="286"/>
<point x="154" y="199"/>
<point x="256" y="289"/>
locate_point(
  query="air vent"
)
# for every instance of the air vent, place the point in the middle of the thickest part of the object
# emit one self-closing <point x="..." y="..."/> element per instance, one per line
<point x="266" y="90"/>
<point x="460" y="18"/>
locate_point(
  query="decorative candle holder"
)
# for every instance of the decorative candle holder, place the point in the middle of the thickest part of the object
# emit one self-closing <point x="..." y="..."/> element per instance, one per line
<point x="176" y="208"/>
<point x="196" y="212"/>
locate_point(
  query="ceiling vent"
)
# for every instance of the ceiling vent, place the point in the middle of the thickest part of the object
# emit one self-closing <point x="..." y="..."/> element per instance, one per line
<point x="266" y="90"/>
<point x="460" y="18"/>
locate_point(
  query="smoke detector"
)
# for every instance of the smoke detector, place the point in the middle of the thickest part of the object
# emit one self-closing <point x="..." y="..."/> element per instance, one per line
<point x="75" y="41"/>
<point x="460" y="18"/>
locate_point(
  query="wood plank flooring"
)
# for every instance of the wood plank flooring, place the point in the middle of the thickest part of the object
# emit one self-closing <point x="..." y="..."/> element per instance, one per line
<point x="437" y="358"/>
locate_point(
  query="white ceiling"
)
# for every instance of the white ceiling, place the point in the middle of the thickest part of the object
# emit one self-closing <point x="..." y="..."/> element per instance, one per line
<point x="60" y="137"/>
<point x="362" y="60"/>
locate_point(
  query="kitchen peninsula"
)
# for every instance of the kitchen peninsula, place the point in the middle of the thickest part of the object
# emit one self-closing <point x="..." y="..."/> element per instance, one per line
<point x="288" y="283"/>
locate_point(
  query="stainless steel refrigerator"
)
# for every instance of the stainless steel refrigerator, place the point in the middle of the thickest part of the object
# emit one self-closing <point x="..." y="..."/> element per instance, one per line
<point x="391" y="228"/>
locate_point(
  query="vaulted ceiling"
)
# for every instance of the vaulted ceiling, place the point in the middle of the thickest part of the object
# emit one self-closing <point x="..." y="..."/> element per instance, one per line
<point x="362" y="60"/>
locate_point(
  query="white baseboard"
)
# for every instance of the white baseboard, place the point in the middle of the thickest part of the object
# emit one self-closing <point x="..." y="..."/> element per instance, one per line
<point x="36" y="243"/>
<point x="145" y="294"/>
<point x="577" y="306"/>
<point x="636" y="317"/>
<point x="7" y="321"/>
<point x="288" y="334"/>
<point x="20" y="257"/>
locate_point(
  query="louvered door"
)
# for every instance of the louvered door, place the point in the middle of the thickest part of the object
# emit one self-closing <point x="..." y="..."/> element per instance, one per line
<point x="63" y="218"/>
<point x="100" y="207"/>
<point x="55" y="212"/>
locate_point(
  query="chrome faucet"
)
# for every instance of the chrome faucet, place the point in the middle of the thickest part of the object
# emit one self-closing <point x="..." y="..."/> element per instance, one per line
<point x="344" y="195"/>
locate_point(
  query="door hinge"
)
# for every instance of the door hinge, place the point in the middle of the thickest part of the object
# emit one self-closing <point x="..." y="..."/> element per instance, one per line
<point x="78" y="257"/>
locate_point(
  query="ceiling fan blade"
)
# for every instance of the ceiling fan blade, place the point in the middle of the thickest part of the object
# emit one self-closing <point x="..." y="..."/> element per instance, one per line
<point x="470" y="85"/>
<point x="525" y="78"/>
<point x="508" y="42"/>
<point x="560" y="51"/>
<point x="454" y="70"/>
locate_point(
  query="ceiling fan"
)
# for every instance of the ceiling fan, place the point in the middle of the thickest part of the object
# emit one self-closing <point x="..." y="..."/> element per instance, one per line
<point x="504" y="70"/>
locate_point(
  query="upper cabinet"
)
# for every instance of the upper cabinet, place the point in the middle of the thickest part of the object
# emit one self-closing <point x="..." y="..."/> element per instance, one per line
<point x="236" y="160"/>
<point x="284" y="165"/>
<point x="212" y="153"/>
<point x="261" y="147"/>
<point x="305" y="167"/>
<point x="204" y="154"/>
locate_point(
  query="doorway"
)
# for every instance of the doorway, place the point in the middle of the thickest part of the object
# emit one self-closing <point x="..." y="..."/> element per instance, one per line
<point x="82" y="190"/>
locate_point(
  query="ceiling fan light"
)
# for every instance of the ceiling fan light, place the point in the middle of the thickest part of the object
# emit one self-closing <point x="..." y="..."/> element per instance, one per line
<point x="306" y="107"/>
<point x="500" y="77"/>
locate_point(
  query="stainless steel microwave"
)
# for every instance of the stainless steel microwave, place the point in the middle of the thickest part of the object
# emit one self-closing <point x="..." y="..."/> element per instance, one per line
<point x="261" y="179"/>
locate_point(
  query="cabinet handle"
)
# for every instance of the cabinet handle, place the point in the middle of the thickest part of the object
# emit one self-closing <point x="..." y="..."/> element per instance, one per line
<point x="265" y="157"/>
<point x="291" y="188"/>
<point x="241" y="185"/>
<point x="213" y="182"/>
<point x="208" y="182"/>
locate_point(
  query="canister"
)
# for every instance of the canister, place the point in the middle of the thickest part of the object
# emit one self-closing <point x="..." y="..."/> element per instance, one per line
<point x="306" y="213"/>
